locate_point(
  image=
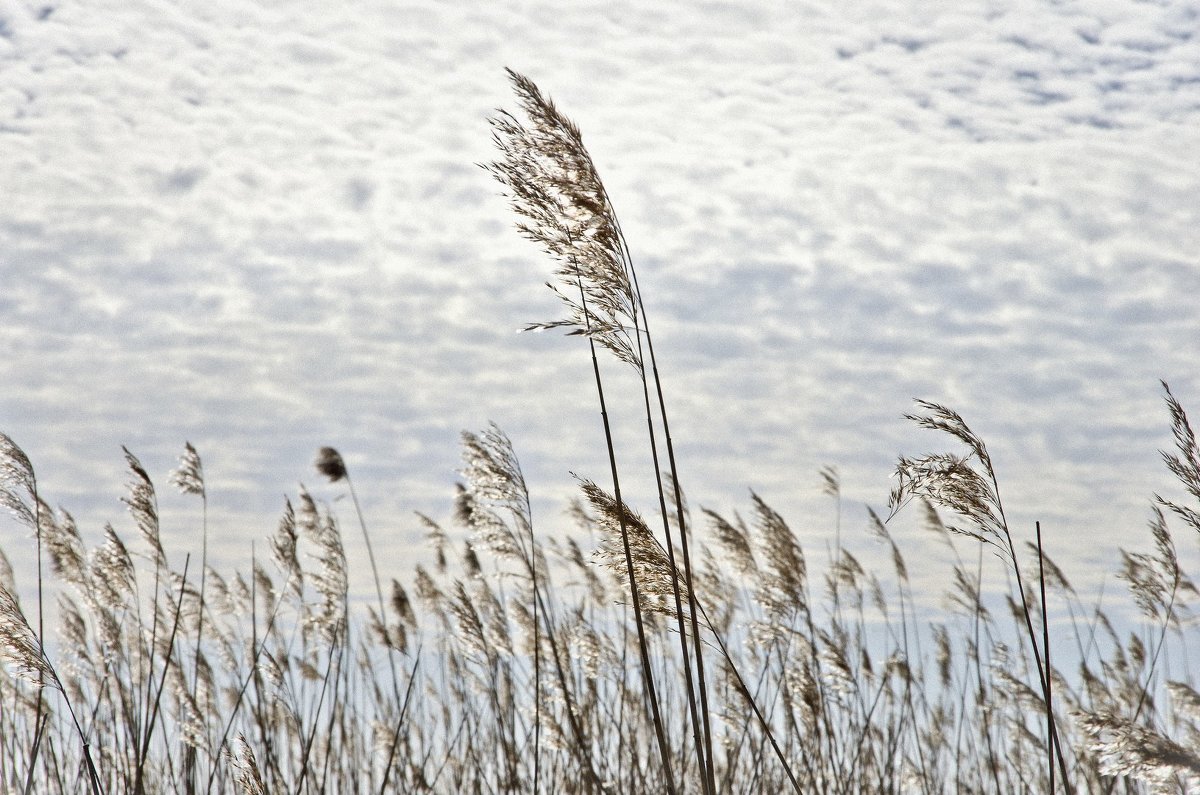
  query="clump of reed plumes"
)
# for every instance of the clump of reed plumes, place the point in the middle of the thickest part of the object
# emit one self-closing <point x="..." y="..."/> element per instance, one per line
<point x="521" y="675"/>
<point x="953" y="482"/>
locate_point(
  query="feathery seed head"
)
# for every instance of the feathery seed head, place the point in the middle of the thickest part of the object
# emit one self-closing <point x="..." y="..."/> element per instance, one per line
<point x="330" y="464"/>
<point x="143" y="506"/>
<point x="952" y="481"/>
<point x="553" y="186"/>
<point x="18" y="485"/>
<point x="19" y="644"/>
<point x="188" y="477"/>
<point x="651" y="565"/>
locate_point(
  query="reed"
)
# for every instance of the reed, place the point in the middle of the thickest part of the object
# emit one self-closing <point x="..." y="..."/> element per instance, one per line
<point x="520" y="670"/>
<point x="628" y="653"/>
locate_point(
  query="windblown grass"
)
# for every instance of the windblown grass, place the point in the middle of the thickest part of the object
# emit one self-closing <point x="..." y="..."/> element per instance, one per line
<point x="676" y="653"/>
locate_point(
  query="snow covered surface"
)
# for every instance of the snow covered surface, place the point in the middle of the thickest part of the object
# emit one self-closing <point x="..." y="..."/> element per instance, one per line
<point x="261" y="227"/>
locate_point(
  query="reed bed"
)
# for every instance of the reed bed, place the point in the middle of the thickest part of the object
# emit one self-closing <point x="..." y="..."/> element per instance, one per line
<point x="644" y="650"/>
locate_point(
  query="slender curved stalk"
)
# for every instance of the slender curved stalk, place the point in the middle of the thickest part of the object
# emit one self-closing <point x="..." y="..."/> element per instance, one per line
<point x="701" y="716"/>
<point x="635" y="597"/>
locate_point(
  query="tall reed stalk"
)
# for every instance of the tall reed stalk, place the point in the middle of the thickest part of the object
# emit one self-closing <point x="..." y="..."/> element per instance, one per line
<point x="555" y="189"/>
<point x="554" y="186"/>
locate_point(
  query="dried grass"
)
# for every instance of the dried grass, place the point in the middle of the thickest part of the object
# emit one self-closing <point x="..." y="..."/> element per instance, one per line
<point x="521" y="660"/>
